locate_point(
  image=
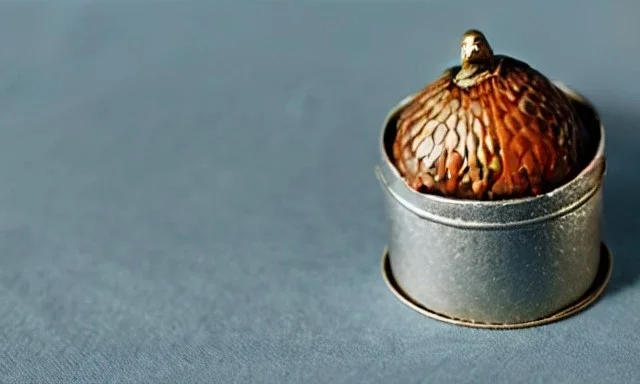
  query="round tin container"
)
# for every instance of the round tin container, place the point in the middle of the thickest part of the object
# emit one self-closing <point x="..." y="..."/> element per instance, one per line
<point x="498" y="264"/>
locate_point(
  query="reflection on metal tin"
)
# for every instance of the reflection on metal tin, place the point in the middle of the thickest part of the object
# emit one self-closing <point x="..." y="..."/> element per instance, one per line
<point x="493" y="182"/>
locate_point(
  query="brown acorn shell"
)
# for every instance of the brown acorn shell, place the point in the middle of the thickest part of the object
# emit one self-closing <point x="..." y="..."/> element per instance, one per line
<point x="511" y="134"/>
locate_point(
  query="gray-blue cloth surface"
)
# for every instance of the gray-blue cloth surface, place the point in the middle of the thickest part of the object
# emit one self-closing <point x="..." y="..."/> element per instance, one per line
<point x="187" y="191"/>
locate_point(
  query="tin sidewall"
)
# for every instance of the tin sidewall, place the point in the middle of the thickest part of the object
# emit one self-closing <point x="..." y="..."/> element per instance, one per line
<point x="498" y="276"/>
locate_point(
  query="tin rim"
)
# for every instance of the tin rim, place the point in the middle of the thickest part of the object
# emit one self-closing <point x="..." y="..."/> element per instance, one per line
<point x="491" y="214"/>
<point x="588" y="298"/>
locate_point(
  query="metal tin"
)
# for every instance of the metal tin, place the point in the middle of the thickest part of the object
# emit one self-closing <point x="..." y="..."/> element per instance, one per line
<point x="507" y="263"/>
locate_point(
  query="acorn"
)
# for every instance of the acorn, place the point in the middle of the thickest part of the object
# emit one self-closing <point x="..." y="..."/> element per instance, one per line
<point x="491" y="128"/>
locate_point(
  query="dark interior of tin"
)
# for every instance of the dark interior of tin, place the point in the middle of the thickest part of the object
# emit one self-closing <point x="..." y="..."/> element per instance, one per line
<point x="591" y="123"/>
<point x="589" y="118"/>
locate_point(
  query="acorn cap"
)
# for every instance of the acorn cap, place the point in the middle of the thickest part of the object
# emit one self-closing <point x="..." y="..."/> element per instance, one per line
<point x="491" y="128"/>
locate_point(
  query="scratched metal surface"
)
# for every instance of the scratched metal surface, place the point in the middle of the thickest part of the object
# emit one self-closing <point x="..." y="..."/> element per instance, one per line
<point x="188" y="191"/>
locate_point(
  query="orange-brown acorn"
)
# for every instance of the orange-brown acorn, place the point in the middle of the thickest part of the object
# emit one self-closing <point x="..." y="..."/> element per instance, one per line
<point x="491" y="128"/>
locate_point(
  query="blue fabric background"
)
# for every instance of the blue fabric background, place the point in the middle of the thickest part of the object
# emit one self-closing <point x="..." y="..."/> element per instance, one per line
<point x="187" y="191"/>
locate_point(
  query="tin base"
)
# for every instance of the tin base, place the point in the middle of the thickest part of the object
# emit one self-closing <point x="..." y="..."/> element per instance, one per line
<point x="592" y="294"/>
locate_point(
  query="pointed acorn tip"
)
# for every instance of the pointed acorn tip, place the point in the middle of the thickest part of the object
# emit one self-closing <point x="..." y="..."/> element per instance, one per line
<point x="475" y="48"/>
